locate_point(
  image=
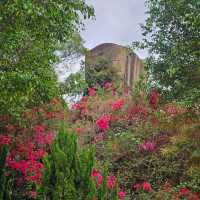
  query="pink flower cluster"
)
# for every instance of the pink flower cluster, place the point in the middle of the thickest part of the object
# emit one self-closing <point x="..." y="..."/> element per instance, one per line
<point x="29" y="166"/>
<point x="138" y="112"/>
<point x="41" y="137"/>
<point x="97" y="177"/>
<point x="103" y="122"/>
<point x="153" y="99"/>
<point x="186" y="193"/>
<point x="110" y="182"/>
<point x="171" y="110"/>
<point x="25" y="156"/>
<point x="5" y="140"/>
<point x="146" y="186"/>
<point x="121" y="194"/>
<point x="108" y="85"/>
<point x="91" y="91"/>
<point x="81" y="106"/>
<point x="147" y="146"/>
<point x="76" y="106"/>
<point x="117" y="105"/>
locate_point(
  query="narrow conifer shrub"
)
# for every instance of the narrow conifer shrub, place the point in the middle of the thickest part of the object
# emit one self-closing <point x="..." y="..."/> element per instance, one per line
<point x="69" y="173"/>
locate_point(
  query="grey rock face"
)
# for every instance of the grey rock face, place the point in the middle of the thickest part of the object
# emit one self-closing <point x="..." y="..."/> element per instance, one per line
<point x="127" y="63"/>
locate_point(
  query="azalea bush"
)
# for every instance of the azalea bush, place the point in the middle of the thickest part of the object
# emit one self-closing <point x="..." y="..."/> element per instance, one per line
<point x="147" y="143"/>
<point x="107" y="146"/>
<point x="40" y="159"/>
<point x="24" y="145"/>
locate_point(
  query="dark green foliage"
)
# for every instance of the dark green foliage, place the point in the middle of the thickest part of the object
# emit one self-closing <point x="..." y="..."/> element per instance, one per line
<point x="29" y="34"/>
<point x="67" y="173"/>
<point x="6" y="182"/>
<point x="171" y="33"/>
<point x="75" y="84"/>
<point x="100" y="72"/>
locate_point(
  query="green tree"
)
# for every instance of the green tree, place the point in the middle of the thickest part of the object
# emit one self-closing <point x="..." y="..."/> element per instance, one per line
<point x="171" y="33"/>
<point x="29" y="34"/>
<point x="100" y="71"/>
<point x="74" y="85"/>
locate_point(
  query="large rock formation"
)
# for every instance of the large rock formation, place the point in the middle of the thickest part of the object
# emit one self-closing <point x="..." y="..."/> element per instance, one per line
<point x="128" y="65"/>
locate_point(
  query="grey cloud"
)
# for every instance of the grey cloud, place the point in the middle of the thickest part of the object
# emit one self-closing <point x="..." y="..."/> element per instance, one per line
<point x="116" y="21"/>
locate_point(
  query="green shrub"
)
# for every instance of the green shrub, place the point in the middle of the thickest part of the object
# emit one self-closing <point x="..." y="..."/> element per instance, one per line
<point x="67" y="173"/>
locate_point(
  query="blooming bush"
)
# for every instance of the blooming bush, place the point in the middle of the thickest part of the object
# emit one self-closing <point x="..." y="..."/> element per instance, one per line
<point x="146" y="142"/>
<point x="150" y="150"/>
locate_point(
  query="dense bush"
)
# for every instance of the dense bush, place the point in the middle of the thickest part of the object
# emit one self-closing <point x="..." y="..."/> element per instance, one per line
<point x="30" y="34"/>
<point x="40" y="159"/>
<point x="171" y="34"/>
<point x="148" y="144"/>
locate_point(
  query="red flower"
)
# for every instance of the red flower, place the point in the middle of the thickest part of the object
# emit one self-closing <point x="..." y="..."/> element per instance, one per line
<point x="171" y="110"/>
<point x="146" y="186"/>
<point x="98" y="138"/>
<point x="76" y="106"/>
<point x="121" y="194"/>
<point x="137" y="186"/>
<point x="153" y="99"/>
<point x="78" y="130"/>
<point x="23" y="165"/>
<point x="117" y="105"/>
<point x="110" y="181"/>
<point x="11" y="128"/>
<point x="97" y="176"/>
<point x="49" y="138"/>
<point x="108" y="85"/>
<point x="195" y="196"/>
<point x="5" y="140"/>
<point x="38" y="154"/>
<point x="91" y="91"/>
<point x="103" y="122"/>
<point x="184" y="191"/>
<point x="147" y="146"/>
<point x="10" y="162"/>
<point x="33" y="194"/>
<point x="40" y="128"/>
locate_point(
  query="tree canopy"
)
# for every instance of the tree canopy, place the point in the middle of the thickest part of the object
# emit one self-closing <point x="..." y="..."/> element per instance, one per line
<point x="29" y="34"/>
<point x="171" y="33"/>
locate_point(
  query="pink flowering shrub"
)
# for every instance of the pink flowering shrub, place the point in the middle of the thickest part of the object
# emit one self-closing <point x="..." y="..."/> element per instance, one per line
<point x="135" y="136"/>
<point x="117" y="105"/>
<point x="103" y="122"/>
<point x="27" y="146"/>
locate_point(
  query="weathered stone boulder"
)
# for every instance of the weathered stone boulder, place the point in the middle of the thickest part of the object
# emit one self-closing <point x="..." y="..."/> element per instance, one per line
<point x="128" y="65"/>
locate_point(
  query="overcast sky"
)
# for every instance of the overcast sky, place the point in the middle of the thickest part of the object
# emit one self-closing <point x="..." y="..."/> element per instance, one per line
<point x="117" y="21"/>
